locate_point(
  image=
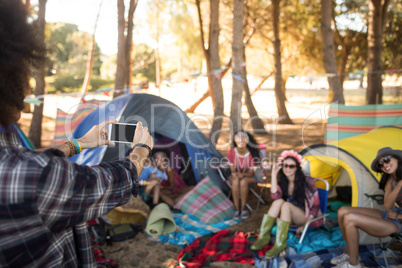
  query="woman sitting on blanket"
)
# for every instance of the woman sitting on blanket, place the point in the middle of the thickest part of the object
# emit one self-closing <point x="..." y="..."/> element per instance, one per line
<point x="375" y="222"/>
<point x="296" y="201"/>
<point x="242" y="160"/>
<point x="173" y="188"/>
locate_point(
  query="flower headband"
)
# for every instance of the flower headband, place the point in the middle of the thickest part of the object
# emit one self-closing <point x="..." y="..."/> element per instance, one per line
<point x="291" y="153"/>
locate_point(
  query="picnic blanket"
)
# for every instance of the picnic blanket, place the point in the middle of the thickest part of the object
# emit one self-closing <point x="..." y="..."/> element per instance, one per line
<point x="190" y="228"/>
<point x="370" y="255"/>
<point x="224" y="245"/>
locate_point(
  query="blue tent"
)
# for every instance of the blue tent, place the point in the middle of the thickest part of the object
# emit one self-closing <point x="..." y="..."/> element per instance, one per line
<point x="170" y="126"/>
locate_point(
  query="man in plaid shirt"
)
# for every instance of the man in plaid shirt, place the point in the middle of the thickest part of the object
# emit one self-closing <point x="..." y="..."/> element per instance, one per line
<point x="46" y="200"/>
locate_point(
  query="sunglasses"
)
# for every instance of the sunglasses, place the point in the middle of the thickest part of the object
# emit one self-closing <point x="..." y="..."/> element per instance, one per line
<point x="292" y="166"/>
<point x="385" y="160"/>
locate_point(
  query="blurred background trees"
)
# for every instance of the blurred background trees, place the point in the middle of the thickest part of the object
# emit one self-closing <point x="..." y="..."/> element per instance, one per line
<point x="280" y="40"/>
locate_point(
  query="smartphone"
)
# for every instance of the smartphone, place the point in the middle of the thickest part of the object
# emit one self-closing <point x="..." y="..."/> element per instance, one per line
<point x="122" y="132"/>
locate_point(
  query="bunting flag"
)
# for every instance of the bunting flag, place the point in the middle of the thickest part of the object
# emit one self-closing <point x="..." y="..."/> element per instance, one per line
<point x="104" y="89"/>
<point x="217" y="75"/>
<point x="238" y="77"/>
<point x="33" y="101"/>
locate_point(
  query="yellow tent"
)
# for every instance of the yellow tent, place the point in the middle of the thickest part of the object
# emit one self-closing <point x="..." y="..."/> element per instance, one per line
<point x="346" y="162"/>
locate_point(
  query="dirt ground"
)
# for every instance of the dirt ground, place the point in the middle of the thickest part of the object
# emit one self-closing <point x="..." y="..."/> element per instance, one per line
<point x="144" y="253"/>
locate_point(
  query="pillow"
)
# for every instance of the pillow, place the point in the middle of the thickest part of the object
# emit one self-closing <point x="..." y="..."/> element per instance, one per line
<point x="206" y="202"/>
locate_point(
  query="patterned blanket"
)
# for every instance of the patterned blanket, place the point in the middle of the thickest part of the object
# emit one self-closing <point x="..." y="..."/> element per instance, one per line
<point x="222" y="246"/>
<point x="370" y="255"/>
<point x="190" y="228"/>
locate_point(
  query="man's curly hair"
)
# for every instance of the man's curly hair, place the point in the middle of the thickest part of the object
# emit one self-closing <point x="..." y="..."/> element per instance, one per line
<point x="19" y="48"/>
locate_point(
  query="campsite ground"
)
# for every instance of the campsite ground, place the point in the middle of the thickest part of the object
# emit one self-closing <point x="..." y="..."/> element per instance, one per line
<point x="306" y="130"/>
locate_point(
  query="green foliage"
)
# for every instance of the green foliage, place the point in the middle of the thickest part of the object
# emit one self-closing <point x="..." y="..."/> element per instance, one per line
<point x="144" y="63"/>
<point x="392" y="56"/>
<point x="70" y="83"/>
<point x="68" y="50"/>
<point x="66" y="84"/>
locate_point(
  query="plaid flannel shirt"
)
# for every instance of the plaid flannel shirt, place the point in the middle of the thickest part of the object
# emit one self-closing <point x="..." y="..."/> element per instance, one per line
<point x="46" y="200"/>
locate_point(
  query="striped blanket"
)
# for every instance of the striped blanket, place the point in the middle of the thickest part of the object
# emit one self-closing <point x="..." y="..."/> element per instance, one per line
<point x="66" y="123"/>
<point x="347" y="121"/>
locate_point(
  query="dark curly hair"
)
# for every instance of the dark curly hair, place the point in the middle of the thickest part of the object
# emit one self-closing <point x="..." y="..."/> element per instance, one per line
<point x="252" y="145"/>
<point x="386" y="176"/>
<point x="301" y="188"/>
<point x="19" y="48"/>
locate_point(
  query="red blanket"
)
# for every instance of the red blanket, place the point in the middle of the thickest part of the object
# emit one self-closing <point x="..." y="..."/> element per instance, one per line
<point x="221" y="246"/>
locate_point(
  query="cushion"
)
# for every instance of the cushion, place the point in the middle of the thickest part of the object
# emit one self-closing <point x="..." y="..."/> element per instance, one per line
<point x="206" y="202"/>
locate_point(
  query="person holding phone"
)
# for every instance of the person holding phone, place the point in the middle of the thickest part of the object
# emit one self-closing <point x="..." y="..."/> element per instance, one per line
<point x="375" y="222"/>
<point x="45" y="199"/>
<point x="295" y="201"/>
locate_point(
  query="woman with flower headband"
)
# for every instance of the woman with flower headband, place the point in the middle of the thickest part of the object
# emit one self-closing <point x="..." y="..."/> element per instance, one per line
<point x="242" y="160"/>
<point x="375" y="222"/>
<point x="295" y="201"/>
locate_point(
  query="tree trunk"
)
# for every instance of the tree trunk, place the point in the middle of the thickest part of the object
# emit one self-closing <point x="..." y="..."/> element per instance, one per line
<point x="129" y="44"/>
<point x="215" y="61"/>
<point x="90" y="59"/>
<point x="88" y="72"/>
<point x="35" y="131"/>
<point x="375" y="31"/>
<point x="342" y="66"/>
<point x="280" y="97"/>
<point x="121" y="49"/>
<point x="256" y="121"/>
<point x="237" y="63"/>
<point x="329" y="51"/>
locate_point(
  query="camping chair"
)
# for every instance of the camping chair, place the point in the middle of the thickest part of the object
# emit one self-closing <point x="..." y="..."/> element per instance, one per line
<point x="224" y="173"/>
<point x="379" y="198"/>
<point x="323" y="195"/>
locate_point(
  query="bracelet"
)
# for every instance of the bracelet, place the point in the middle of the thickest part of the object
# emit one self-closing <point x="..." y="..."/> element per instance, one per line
<point x="72" y="148"/>
<point x="143" y="145"/>
<point x="77" y="146"/>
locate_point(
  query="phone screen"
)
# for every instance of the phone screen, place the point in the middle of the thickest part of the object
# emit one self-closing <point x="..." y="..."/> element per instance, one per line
<point x="122" y="132"/>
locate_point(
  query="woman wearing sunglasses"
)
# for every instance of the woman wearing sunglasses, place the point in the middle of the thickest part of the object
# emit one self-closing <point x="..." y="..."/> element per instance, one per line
<point x="295" y="201"/>
<point x="374" y="221"/>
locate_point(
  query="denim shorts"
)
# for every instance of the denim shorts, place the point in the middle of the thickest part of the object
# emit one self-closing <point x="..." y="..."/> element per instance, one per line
<point x="397" y="222"/>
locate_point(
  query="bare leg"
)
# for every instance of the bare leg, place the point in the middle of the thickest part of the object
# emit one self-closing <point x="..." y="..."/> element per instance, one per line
<point x="244" y="189"/>
<point x="358" y="210"/>
<point x="156" y="194"/>
<point x="235" y="191"/>
<point x="275" y="208"/>
<point x="369" y="221"/>
<point x="292" y="214"/>
<point x="166" y="198"/>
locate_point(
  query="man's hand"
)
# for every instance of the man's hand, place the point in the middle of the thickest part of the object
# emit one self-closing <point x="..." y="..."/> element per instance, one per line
<point x="142" y="135"/>
<point x="96" y="136"/>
